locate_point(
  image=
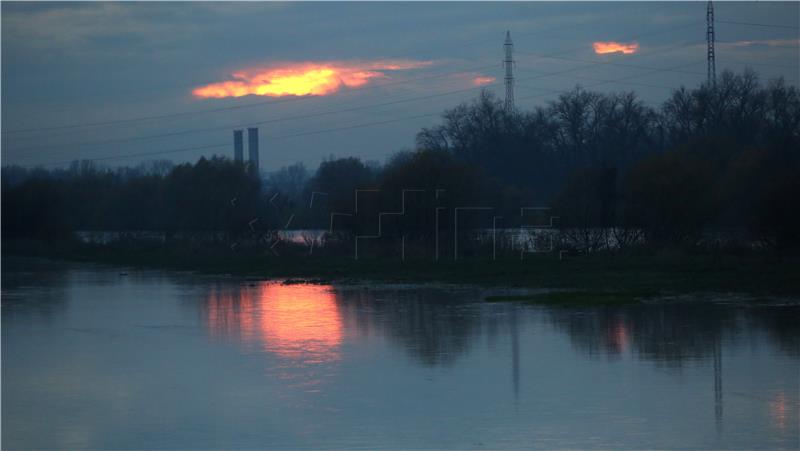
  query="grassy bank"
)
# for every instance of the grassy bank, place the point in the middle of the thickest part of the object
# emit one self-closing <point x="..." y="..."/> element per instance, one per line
<point x="575" y="298"/>
<point x="658" y="273"/>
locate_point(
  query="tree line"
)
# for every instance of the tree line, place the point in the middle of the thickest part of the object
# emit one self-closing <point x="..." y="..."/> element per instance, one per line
<point x="717" y="163"/>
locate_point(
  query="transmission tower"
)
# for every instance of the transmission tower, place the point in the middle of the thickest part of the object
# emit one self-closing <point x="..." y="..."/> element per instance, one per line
<point x="712" y="70"/>
<point x="509" y="65"/>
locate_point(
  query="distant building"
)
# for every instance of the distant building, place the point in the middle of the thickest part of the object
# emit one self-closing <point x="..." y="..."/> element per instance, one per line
<point x="238" y="146"/>
<point x="252" y="147"/>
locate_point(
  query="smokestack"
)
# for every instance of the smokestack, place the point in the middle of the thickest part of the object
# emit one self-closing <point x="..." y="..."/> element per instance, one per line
<point x="252" y="147"/>
<point x="238" y="146"/>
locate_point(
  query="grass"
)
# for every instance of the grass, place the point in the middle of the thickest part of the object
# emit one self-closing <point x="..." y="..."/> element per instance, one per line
<point x="588" y="278"/>
<point x="574" y="298"/>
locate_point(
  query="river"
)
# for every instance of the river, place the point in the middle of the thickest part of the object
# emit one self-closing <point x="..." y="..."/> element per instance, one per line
<point x="102" y="357"/>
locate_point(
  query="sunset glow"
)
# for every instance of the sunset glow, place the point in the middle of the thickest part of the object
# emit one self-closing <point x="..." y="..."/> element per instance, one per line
<point x="626" y="48"/>
<point x="618" y="336"/>
<point x="297" y="322"/>
<point x="779" y="410"/>
<point x="301" y="322"/>
<point x="482" y="80"/>
<point x="303" y="79"/>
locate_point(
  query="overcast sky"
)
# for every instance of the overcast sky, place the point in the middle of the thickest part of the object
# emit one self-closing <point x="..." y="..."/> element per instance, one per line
<point x="68" y="65"/>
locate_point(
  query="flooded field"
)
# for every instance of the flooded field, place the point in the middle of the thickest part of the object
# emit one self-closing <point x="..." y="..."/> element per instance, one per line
<point x="101" y="357"/>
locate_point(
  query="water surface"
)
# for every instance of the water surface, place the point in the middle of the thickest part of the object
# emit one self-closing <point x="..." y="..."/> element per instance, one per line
<point x="96" y="358"/>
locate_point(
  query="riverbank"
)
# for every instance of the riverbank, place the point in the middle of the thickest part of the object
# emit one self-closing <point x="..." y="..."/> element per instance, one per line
<point x="648" y="275"/>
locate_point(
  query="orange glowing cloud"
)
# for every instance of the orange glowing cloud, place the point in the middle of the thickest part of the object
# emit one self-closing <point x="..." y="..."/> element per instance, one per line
<point x="482" y="80"/>
<point x="303" y="79"/>
<point x="627" y="48"/>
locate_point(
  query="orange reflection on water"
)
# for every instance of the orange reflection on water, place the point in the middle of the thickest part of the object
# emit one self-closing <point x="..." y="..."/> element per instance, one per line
<point x="299" y="322"/>
<point x="617" y="336"/>
<point x="779" y="410"/>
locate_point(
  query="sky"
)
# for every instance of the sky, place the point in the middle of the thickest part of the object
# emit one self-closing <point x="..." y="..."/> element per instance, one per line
<point x="122" y="83"/>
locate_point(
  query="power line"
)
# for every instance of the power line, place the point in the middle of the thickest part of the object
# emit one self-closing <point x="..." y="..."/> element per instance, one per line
<point x="213" y="110"/>
<point x="234" y="107"/>
<point x="350" y="127"/>
<point x="648" y="85"/>
<point x="182" y="85"/>
<point x="140" y="154"/>
<point x="357" y="108"/>
<point x="266" y="102"/>
<point x="649" y="9"/>
<point x="314" y="132"/>
<point x="752" y="63"/>
<point x="538" y="76"/>
<point x="231" y="107"/>
<point x="753" y="24"/>
<point x="349" y="109"/>
<point x="463" y="44"/>
<point x="354" y="126"/>
<point x="638" y="66"/>
<point x="250" y="124"/>
<point x="768" y="42"/>
<point x="612" y="63"/>
<point x="603" y="82"/>
<point x="637" y="36"/>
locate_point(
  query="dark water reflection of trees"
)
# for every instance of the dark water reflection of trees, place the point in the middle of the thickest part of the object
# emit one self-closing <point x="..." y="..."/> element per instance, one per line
<point x="436" y="327"/>
<point x="674" y="333"/>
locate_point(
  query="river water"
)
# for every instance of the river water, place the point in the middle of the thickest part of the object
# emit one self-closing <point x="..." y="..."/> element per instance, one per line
<point x="101" y="357"/>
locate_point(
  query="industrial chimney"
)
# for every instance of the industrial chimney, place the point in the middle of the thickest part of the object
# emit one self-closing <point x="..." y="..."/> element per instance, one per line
<point x="252" y="147"/>
<point x="238" y="146"/>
